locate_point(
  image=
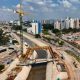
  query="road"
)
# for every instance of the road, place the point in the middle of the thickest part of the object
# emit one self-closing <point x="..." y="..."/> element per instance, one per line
<point x="76" y="50"/>
<point x="7" y="57"/>
<point x="30" y="43"/>
<point x="70" y="60"/>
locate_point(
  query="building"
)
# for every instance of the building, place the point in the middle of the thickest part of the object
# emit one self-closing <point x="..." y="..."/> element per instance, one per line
<point x="29" y="29"/>
<point x="71" y="23"/>
<point x="76" y="23"/>
<point x="36" y="27"/>
<point x="57" y="24"/>
<point x="62" y="24"/>
<point x="67" y="23"/>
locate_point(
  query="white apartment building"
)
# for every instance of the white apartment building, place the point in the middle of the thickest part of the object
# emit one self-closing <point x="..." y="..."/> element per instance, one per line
<point x="57" y="25"/>
<point x="71" y="22"/>
<point x="77" y="23"/>
<point x="62" y="24"/>
<point x="36" y="28"/>
<point x="67" y="23"/>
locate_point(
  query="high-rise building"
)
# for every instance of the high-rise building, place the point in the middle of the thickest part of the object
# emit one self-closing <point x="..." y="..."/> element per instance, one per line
<point x="76" y="23"/>
<point x="36" y="27"/>
<point x="57" y="24"/>
<point x="62" y="24"/>
<point x="71" y="23"/>
<point x="67" y="23"/>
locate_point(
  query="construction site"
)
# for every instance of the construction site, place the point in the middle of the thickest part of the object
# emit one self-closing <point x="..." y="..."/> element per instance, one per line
<point x="38" y="62"/>
<point x="37" y="59"/>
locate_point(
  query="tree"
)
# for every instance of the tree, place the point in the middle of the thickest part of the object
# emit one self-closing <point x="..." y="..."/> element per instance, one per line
<point x="56" y="31"/>
<point x="2" y="67"/>
<point x="58" y="79"/>
<point x="37" y="36"/>
<point x="61" y="43"/>
<point x="1" y="32"/>
<point x="3" y="38"/>
<point x="48" y="26"/>
<point x="16" y="27"/>
<point x="45" y="32"/>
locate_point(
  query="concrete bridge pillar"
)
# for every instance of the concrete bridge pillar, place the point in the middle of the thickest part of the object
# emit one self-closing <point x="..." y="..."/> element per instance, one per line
<point x="49" y="71"/>
<point x="48" y="55"/>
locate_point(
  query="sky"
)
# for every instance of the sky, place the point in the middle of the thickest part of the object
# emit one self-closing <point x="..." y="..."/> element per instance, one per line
<point x="40" y="9"/>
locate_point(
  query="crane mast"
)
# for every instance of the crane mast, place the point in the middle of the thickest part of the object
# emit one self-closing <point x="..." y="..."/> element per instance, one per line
<point x="21" y="29"/>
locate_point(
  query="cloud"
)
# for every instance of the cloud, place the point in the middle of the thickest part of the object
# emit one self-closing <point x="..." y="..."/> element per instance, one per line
<point x="7" y="14"/>
<point x="66" y="3"/>
<point x="51" y="8"/>
<point x="45" y="9"/>
<point x="77" y="1"/>
<point x="41" y="3"/>
<point x="31" y="8"/>
<point x="54" y="5"/>
<point x="6" y="9"/>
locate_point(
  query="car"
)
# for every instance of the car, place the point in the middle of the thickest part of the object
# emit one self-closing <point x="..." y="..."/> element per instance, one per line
<point x="25" y="43"/>
<point x="9" y="61"/>
<point x="11" y="48"/>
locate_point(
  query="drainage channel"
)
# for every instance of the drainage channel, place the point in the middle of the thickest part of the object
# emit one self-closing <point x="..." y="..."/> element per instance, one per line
<point x="38" y="72"/>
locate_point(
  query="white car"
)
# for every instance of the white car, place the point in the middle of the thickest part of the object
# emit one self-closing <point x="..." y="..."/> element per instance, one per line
<point x="25" y="43"/>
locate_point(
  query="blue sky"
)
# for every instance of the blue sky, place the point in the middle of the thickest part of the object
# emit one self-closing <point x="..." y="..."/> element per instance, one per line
<point x="8" y="3"/>
<point x="41" y="9"/>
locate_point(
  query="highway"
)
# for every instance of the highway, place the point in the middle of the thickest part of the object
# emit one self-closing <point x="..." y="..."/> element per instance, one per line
<point x="76" y="50"/>
<point x="42" y="53"/>
<point x="30" y="43"/>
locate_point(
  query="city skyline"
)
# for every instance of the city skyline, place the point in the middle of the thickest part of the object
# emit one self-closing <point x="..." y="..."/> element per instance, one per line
<point x="41" y="9"/>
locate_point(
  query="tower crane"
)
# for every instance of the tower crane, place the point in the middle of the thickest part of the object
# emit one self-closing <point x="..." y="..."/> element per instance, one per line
<point x="21" y="14"/>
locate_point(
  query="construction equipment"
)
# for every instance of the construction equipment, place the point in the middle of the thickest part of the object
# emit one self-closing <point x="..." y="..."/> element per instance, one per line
<point x="21" y="14"/>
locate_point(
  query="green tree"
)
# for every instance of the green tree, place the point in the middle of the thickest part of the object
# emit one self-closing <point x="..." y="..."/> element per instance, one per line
<point x="37" y="36"/>
<point x="45" y="32"/>
<point x="61" y="43"/>
<point x="3" y="38"/>
<point x="56" y="31"/>
<point x="58" y="79"/>
<point x="1" y="67"/>
<point x="48" y="26"/>
<point x="16" y="27"/>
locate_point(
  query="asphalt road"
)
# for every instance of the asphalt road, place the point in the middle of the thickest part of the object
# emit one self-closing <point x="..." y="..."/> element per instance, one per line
<point x="30" y="43"/>
<point x="42" y="54"/>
